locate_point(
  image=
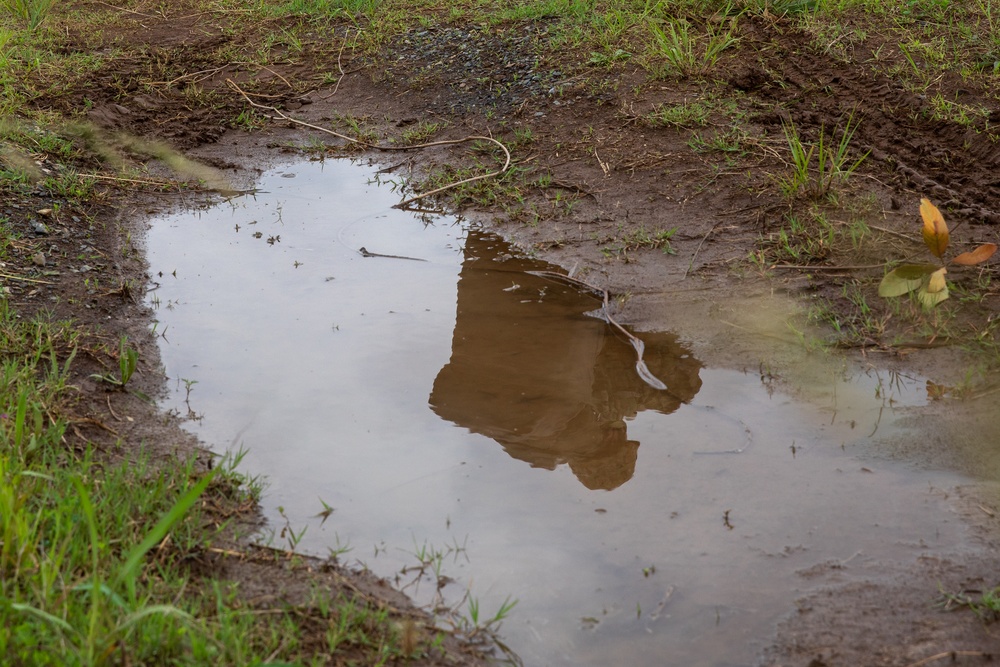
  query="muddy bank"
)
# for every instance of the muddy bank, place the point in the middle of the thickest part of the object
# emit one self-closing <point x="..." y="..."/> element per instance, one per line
<point x="678" y="219"/>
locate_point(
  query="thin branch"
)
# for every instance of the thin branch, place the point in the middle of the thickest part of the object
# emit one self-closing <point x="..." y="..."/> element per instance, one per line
<point x="25" y="280"/>
<point x="340" y="68"/>
<point x="637" y="344"/>
<point x="280" y="77"/>
<point x="698" y="249"/>
<point x="947" y="654"/>
<point x="816" y="267"/>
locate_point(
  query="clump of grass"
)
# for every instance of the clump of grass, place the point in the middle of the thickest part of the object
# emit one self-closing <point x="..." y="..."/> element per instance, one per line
<point x="637" y="239"/>
<point x="802" y="240"/>
<point x="817" y="167"/>
<point x="32" y="12"/>
<point x="93" y="552"/>
<point x="685" y="114"/>
<point x="686" y="52"/>
<point x="984" y="604"/>
<point x="419" y="133"/>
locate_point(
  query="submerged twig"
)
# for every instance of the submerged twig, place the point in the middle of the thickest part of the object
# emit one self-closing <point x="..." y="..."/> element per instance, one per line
<point x="379" y="147"/>
<point x="640" y="365"/>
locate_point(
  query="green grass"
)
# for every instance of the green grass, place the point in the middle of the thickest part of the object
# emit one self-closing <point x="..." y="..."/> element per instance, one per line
<point x="685" y="114"/>
<point x="819" y="166"/>
<point x="688" y="51"/>
<point x="628" y="241"/>
<point x="93" y="550"/>
<point x="31" y="12"/>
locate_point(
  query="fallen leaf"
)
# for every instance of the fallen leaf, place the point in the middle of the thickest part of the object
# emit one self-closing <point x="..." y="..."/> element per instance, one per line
<point x="936" y="391"/>
<point x="930" y="299"/>
<point x="904" y="279"/>
<point x="935" y="230"/>
<point x="977" y="256"/>
<point x="936" y="281"/>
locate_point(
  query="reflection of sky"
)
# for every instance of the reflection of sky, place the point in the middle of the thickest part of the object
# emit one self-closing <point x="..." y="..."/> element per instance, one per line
<point x="327" y="381"/>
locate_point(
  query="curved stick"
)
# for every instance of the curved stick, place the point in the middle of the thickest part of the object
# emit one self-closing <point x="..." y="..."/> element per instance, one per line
<point x="640" y="365"/>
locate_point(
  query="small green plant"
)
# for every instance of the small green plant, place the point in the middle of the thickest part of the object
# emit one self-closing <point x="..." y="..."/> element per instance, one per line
<point x="818" y="167"/>
<point x="419" y="133"/>
<point x="928" y="280"/>
<point x="608" y="58"/>
<point x="33" y="12"/>
<point x="640" y="238"/>
<point x="685" y="52"/>
<point x="128" y="359"/>
<point x="984" y="604"/>
<point x="474" y="624"/>
<point x="685" y="114"/>
<point x="248" y="120"/>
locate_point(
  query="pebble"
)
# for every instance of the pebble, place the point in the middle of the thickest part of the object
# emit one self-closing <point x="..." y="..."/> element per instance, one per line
<point x="38" y="258"/>
<point x="39" y="228"/>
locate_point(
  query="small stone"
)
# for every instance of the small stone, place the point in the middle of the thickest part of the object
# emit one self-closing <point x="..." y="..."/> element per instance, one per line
<point x="39" y="228"/>
<point x="38" y="258"/>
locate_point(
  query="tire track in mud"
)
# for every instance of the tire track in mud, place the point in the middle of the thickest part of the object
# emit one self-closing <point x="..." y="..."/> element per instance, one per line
<point x="955" y="165"/>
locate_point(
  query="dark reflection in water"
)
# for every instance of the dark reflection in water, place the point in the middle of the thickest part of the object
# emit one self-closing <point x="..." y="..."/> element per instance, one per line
<point x="531" y="370"/>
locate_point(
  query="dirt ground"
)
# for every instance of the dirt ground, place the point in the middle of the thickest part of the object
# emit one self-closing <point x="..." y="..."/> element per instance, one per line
<point x="595" y="180"/>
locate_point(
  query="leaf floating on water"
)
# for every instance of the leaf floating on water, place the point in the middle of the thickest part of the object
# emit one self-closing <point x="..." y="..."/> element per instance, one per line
<point x="936" y="391"/>
<point x="935" y="229"/>
<point x="977" y="256"/>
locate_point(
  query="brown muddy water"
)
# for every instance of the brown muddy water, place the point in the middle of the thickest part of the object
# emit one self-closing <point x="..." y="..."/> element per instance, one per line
<point x="463" y="407"/>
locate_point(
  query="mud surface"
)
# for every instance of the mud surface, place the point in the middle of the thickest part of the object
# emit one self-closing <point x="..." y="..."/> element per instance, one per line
<point x="603" y="178"/>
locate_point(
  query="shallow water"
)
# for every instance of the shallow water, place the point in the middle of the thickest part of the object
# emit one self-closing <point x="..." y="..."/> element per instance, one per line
<point x="462" y="404"/>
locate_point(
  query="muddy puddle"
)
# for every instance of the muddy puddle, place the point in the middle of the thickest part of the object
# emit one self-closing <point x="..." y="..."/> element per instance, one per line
<point x="448" y="403"/>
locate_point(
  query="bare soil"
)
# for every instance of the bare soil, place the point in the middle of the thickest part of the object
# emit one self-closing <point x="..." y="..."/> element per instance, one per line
<point x="597" y="178"/>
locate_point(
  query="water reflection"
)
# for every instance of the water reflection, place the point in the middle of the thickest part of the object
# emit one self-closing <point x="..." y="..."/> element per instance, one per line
<point x="550" y="384"/>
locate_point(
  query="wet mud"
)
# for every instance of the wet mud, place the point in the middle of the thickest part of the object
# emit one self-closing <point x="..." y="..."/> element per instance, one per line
<point x="470" y="403"/>
<point x="622" y="176"/>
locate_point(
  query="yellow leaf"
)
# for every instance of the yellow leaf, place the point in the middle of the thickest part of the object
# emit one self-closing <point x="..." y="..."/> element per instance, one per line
<point x="935" y="230"/>
<point x="931" y="299"/>
<point x="936" y="282"/>
<point x="977" y="256"/>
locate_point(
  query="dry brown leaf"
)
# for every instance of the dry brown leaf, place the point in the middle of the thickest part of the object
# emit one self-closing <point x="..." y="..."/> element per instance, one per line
<point x="977" y="256"/>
